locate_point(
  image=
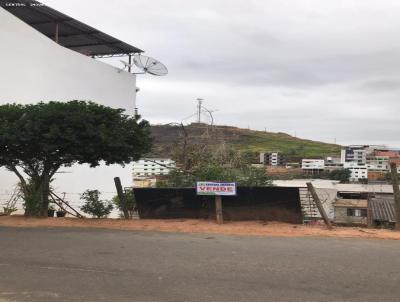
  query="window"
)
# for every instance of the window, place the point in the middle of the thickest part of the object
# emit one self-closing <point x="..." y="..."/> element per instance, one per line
<point x="357" y="212"/>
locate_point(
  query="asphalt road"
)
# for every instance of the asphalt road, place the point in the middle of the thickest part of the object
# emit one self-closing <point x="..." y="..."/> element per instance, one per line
<point x="105" y="265"/>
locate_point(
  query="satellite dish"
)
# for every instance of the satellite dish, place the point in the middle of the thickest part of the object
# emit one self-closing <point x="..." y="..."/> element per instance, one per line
<point x="150" y="65"/>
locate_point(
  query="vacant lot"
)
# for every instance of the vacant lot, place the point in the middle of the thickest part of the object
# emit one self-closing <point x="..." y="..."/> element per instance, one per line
<point x="72" y="264"/>
<point x="203" y="226"/>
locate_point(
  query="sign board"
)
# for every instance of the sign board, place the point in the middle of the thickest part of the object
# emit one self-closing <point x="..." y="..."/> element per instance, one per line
<point x="216" y="188"/>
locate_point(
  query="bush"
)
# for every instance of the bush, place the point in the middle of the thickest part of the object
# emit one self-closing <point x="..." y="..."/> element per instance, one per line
<point x="94" y="206"/>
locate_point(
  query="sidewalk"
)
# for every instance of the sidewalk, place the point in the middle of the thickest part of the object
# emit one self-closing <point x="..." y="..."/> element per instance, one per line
<point x="251" y="228"/>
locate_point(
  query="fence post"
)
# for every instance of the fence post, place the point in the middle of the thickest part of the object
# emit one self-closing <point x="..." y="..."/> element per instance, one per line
<point x="121" y="197"/>
<point x="319" y="205"/>
<point x="218" y="209"/>
<point x="396" y="193"/>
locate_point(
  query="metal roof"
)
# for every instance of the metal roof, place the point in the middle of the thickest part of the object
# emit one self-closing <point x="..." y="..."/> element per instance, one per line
<point x="67" y="31"/>
<point x="382" y="208"/>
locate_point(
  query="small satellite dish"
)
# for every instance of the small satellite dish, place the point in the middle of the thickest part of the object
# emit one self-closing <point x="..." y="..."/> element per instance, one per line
<point x="150" y="65"/>
<point x="126" y="66"/>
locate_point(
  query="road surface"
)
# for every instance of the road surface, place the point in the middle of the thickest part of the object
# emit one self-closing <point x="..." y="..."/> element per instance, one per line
<point x="108" y="265"/>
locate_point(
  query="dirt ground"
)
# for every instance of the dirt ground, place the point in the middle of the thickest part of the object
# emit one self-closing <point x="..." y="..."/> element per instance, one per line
<point x="255" y="228"/>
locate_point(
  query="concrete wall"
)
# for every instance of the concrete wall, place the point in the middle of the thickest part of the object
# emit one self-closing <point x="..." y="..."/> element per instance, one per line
<point x="34" y="68"/>
<point x="341" y="217"/>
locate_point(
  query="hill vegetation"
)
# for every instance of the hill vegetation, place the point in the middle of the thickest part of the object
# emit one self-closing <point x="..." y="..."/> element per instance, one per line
<point x="167" y="137"/>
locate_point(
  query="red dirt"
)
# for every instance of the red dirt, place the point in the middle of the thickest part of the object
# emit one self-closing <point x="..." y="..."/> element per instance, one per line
<point x="252" y="228"/>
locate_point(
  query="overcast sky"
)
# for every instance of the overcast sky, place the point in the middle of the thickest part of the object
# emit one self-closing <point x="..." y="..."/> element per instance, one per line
<point x="320" y="69"/>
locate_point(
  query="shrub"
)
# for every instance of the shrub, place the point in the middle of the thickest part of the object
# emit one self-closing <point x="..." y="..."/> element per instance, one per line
<point x="94" y="206"/>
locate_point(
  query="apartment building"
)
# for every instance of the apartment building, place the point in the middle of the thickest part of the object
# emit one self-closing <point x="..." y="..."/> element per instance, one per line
<point x="333" y="163"/>
<point x="358" y="171"/>
<point x="272" y="159"/>
<point x="313" y="164"/>
<point x="150" y="167"/>
<point x="354" y="154"/>
<point x="378" y="163"/>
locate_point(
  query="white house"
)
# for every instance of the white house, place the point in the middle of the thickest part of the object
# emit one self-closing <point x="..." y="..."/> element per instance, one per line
<point x="46" y="55"/>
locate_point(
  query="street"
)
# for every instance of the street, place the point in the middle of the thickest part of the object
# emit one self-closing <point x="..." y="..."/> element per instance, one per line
<point x="60" y="264"/>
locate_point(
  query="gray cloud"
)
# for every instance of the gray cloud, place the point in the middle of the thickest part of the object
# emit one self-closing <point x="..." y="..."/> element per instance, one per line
<point x="323" y="69"/>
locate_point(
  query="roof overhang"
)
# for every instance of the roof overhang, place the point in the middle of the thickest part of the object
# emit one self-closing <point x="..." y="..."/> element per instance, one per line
<point x="67" y="31"/>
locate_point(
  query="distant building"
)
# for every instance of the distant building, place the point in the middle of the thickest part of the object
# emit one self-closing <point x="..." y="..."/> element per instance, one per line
<point x="313" y="164"/>
<point x="358" y="171"/>
<point x="394" y="156"/>
<point x="359" y="153"/>
<point x="151" y="167"/>
<point x="332" y="163"/>
<point x="272" y="159"/>
<point x="378" y="163"/>
<point x="354" y="154"/>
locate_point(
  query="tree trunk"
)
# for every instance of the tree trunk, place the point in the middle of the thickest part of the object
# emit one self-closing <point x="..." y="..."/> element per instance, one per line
<point x="36" y="196"/>
<point x="45" y="191"/>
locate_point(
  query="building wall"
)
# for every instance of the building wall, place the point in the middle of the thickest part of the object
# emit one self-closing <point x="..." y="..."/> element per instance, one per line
<point x="34" y="68"/>
<point x="341" y="217"/>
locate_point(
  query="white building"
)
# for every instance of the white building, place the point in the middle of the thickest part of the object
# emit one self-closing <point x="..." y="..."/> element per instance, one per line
<point x="313" y="164"/>
<point x="354" y="154"/>
<point x="359" y="153"/>
<point x="150" y="167"/>
<point x="46" y="55"/>
<point x="272" y="159"/>
<point x="378" y="163"/>
<point x="358" y="171"/>
<point x="332" y="163"/>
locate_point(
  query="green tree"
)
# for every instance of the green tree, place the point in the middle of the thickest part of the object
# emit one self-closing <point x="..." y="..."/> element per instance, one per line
<point x="37" y="140"/>
<point x="343" y="175"/>
<point x="94" y="206"/>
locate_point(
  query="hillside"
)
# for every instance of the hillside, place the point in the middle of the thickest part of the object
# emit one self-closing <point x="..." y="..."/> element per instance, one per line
<point x="166" y="137"/>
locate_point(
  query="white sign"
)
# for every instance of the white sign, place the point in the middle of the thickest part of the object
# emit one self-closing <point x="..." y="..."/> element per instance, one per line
<point x="216" y="188"/>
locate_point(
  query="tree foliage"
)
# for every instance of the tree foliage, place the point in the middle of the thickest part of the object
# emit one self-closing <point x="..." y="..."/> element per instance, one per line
<point x="94" y="206"/>
<point x="209" y="164"/>
<point x="343" y="175"/>
<point x="37" y="139"/>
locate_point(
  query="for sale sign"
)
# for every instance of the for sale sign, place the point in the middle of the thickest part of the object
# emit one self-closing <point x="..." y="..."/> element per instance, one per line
<point x="216" y="188"/>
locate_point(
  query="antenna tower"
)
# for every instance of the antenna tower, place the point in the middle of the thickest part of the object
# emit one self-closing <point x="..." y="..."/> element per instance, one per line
<point x="199" y="106"/>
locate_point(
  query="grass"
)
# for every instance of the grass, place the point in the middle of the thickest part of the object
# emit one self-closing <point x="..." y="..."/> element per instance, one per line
<point x="166" y="138"/>
<point x="257" y="141"/>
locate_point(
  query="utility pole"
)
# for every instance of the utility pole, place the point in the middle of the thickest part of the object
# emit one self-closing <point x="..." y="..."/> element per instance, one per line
<point x="121" y="197"/>
<point x="396" y="193"/>
<point x="319" y="205"/>
<point x="199" y="105"/>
